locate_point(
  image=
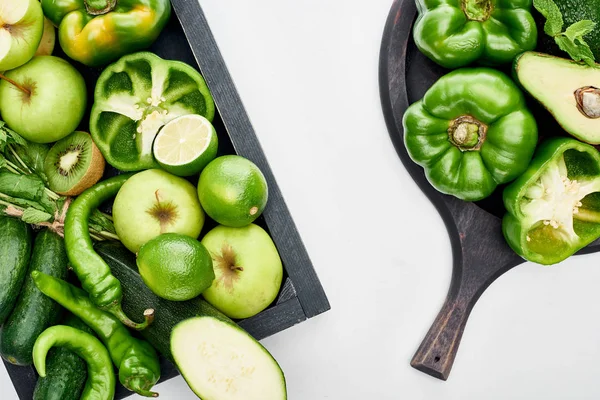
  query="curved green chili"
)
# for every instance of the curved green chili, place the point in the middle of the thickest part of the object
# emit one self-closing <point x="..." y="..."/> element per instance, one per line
<point x="100" y="384"/>
<point x="95" y="276"/>
<point x="136" y="359"/>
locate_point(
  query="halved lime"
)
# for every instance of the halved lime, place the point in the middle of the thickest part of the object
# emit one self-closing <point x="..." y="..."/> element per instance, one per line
<point x="186" y="145"/>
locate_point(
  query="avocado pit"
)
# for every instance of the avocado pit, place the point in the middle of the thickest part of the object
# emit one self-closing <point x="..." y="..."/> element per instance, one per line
<point x="588" y="101"/>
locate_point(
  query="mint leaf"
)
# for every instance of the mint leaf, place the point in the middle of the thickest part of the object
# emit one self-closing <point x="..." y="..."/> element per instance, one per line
<point x="33" y="216"/>
<point x="8" y="135"/>
<point x="550" y="11"/>
<point x="15" y="137"/>
<point x="579" y="29"/>
<point x="571" y="40"/>
<point x="568" y="46"/>
<point x="578" y="50"/>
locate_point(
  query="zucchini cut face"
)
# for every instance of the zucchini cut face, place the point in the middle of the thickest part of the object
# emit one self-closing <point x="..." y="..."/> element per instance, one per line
<point x="220" y="361"/>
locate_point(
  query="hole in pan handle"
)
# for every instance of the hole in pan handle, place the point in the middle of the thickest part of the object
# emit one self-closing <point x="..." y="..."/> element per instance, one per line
<point x="436" y="353"/>
<point x="480" y="256"/>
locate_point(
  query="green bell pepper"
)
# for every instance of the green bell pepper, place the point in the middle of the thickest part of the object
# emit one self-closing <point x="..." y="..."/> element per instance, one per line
<point x="97" y="32"/>
<point x="553" y="209"/>
<point x="471" y="132"/>
<point x="455" y="33"/>
<point x="134" y="98"/>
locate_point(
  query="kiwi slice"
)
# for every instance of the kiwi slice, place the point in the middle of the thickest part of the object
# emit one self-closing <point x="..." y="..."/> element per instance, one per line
<point x="73" y="164"/>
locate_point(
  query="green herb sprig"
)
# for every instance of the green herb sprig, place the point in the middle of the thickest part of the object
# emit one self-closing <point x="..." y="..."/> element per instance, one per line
<point x="571" y="40"/>
<point x="24" y="191"/>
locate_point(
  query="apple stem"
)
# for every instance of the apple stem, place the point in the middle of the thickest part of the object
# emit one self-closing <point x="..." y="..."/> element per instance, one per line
<point x="236" y="268"/>
<point x="18" y="86"/>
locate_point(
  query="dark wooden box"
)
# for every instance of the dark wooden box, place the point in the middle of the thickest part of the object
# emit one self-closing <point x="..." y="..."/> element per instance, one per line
<point x="188" y="38"/>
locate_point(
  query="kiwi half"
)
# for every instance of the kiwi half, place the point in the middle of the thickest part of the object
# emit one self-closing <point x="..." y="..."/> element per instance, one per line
<point x="74" y="164"/>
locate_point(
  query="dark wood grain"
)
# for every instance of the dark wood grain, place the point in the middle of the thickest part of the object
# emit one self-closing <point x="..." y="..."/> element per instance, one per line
<point x="188" y="38"/>
<point x="283" y="230"/>
<point x="480" y="253"/>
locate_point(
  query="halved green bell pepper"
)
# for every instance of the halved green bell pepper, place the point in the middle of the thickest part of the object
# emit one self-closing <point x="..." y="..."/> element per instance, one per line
<point x="553" y="209"/>
<point x="455" y="33"/>
<point x="134" y="98"/>
<point x="97" y="32"/>
<point x="471" y="132"/>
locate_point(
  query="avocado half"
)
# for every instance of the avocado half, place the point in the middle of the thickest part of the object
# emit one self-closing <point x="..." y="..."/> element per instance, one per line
<point x="569" y="90"/>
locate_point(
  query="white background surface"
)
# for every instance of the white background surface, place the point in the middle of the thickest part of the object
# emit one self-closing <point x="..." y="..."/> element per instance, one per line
<point x="307" y="72"/>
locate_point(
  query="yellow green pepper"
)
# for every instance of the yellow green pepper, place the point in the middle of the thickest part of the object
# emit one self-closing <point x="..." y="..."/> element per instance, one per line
<point x="97" y="32"/>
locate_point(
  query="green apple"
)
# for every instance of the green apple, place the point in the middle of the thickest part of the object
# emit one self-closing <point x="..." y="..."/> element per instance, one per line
<point x="248" y="270"/>
<point x="48" y="41"/>
<point x="21" y="25"/>
<point x="43" y="100"/>
<point x="154" y="202"/>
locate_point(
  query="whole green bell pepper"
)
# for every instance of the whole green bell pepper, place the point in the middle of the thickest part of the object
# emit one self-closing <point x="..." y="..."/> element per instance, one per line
<point x="134" y="98"/>
<point x="455" y="33"/>
<point x="97" y="32"/>
<point x="553" y="209"/>
<point x="471" y="132"/>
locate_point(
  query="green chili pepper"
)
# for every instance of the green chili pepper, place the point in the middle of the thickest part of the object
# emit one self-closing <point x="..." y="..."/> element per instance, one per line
<point x="455" y="33"/>
<point x="553" y="209"/>
<point x="471" y="132"/>
<point x="96" y="32"/>
<point x="138" y="364"/>
<point x="100" y="384"/>
<point x="95" y="276"/>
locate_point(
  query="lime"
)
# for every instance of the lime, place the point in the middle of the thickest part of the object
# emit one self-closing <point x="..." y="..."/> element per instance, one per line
<point x="233" y="191"/>
<point x="175" y="267"/>
<point x="186" y="145"/>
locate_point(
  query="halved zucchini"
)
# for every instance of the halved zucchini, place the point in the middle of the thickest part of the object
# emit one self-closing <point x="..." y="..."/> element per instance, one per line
<point x="220" y="361"/>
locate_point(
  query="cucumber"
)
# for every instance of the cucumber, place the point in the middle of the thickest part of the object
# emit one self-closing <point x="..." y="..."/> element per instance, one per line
<point x="15" y="250"/>
<point x="34" y="312"/>
<point x="66" y="373"/>
<point x="221" y="361"/>
<point x="137" y="296"/>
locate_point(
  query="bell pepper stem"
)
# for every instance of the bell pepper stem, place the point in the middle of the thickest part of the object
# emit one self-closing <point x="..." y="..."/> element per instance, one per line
<point x="477" y="10"/>
<point x="99" y="7"/>
<point x="15" y="84"/>
<point x="467" y="133"/>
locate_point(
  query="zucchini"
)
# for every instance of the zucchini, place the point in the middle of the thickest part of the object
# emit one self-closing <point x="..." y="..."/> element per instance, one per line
<point x="66" y="372"/>
<point x="34" y="312"/>
<point x="221" y="361"/>
<point x="181" y="330"/>
<point x="137" y="296"/>
<point x="15" y="250"/>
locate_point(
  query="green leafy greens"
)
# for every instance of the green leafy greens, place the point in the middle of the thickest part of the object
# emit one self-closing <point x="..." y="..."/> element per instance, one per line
<point x="571" y="40"/>
<point x="24" y="191"/>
